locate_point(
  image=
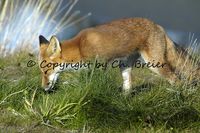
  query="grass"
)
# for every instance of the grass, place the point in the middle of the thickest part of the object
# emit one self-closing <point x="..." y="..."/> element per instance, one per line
<point x="22" y="21"/>
<point x="91" y="101"/>
<point x="85" y="101"/>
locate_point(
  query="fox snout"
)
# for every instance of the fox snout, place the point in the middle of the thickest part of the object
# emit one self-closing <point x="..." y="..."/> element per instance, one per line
<point x="48" y="82"/>
<point x="48" y="88"/>
<point x="46" y="85"/>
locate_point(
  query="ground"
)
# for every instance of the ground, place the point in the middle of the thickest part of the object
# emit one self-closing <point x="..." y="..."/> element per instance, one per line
<point x="91" y="101"/>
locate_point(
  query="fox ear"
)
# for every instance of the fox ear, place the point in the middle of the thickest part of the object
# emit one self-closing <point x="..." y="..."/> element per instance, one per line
<point x="54" y="47"/>
<point x="43" y="40"/>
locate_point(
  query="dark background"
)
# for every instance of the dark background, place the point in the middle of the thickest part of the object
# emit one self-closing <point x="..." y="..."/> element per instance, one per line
<point x="181" y="18"/>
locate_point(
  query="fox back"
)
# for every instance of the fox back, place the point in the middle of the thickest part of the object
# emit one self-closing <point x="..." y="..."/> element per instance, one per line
<point x="117" y="39"/>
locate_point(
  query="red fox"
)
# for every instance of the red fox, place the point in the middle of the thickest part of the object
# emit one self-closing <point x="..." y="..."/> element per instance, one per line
<point x="124" y="39"/>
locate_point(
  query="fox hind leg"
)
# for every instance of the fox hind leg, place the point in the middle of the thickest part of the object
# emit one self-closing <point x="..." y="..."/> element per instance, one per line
<point x="127" y="80"/>
<point x="165" y="71"/>
<point x="127" y="72"/>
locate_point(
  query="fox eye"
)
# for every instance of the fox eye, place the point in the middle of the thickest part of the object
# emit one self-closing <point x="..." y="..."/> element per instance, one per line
<point x="48" y="83"/>
<point x="45" y="72"/>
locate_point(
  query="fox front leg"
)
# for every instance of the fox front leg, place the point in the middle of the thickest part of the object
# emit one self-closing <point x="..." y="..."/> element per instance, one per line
<point x="127" y="80"/>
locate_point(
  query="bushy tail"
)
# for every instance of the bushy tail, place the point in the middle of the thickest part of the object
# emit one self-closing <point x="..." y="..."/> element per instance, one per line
<point x="181" y="61"/>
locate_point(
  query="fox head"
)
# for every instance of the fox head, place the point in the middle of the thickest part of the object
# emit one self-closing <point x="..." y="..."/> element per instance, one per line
<point x="49" y="53"/>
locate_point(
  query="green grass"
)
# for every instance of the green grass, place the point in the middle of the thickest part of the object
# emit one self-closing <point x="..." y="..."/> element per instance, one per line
<point x="93" y="102"/>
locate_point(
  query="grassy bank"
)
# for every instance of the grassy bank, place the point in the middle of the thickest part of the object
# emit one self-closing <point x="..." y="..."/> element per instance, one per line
<point x="91" y="101"/>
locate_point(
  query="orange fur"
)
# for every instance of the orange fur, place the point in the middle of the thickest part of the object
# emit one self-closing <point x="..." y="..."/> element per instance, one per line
<point x="119" y="39"/>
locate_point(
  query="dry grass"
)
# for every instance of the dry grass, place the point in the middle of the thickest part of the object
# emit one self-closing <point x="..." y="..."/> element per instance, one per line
<point x="22" y="21"/>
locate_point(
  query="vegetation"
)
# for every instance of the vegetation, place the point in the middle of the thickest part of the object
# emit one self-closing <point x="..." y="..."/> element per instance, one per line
<point x="87" y="100"/>
<point x="91" y="101"/>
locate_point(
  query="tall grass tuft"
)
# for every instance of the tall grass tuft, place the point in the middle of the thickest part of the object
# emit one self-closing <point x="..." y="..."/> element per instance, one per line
<point x="188" y="61"/>
<point x="22" y="21"/>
